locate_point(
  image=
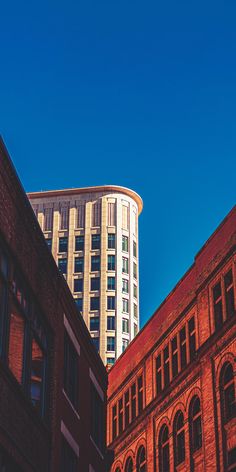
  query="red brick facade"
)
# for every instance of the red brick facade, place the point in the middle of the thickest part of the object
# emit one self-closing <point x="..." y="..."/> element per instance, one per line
<point x="40" y="427"/>
<point x="171" y="395"/>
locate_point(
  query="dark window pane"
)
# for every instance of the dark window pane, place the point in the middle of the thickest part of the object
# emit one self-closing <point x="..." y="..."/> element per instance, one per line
<point x="79" y="243"/>
<point x="120" y="415"/>
<point x="111" y="303"/>
<point x="62" y="266"/>
<point x="110" y="343"/>
<point x="78" y="285"/>
<point x="174" y="357"/>
<point x="114" y="422"/>
<point x="110" y="322"/>
<point x="111" y="241"/>
<point x="95" y="263"/>
<point x="183" y="353"/>
<point x="111" y="283"/>
<point x="166" y="367"/>
<point x="96" y="343"/>
<point x="79" y="264"/>
<point x="229" y="294"/>
<point x="37" y="374"/>
<point x="125" y="243"/>
<point x="96" y="242"/>
<point x="218" y="310"/>
<point x="94" y="323"/>
<point x="94" y="303"/>
<point x="140" y="394"/>
<point x="158" y="374"/>
<point x="95" y="283"/>
<point x="79" y="303"/>
<point x="49" y="243"/>
<point x="111" y="262"/>
<point x="127" y="416"/>
<point x="133" y="401"/>
<point x="63" y="244"/>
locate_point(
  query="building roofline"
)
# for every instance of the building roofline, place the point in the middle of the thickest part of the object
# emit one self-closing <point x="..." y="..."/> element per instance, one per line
<point x="100" y="188"/>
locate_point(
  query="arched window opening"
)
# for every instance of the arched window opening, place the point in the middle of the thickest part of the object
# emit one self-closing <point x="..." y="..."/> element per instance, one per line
<point x="129" y="466"/>
<point x="179" y="438"/>
<point x="164" y="449"/>
<point x="141" y="460"/>
<point x="195" y="424"/>
<point x="228" y="392"/>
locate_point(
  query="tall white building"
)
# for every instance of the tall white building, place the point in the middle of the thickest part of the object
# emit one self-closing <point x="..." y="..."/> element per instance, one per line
<point x="93" y="235"/>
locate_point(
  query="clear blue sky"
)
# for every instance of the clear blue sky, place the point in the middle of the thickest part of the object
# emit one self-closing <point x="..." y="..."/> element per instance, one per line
<point x="140" y="94"/>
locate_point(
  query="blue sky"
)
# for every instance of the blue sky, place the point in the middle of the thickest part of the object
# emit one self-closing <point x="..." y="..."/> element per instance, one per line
<point x="140" y="94"/>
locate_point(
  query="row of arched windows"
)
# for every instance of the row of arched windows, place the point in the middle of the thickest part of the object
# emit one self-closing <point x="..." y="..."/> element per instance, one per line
<point x="140" y="463"/>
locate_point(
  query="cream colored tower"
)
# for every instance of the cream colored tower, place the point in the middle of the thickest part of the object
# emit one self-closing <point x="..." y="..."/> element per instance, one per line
<point x="93" y="235"/>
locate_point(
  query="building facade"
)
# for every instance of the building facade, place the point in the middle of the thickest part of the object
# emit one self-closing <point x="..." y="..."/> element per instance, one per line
<point x="171" y="395"/>
<point x="93" y="235"/>
<point x="53" y="382"/>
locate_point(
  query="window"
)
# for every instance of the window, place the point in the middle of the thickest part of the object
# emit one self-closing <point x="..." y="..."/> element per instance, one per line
<point x="111" y="241"/>
<point x="125" y="244"/>
<point x="140" y="393"/>
<point x="96" y="343"/>
<point x="78" y="285"/>
<point x="80" y="215"/>
<point x="179" y="438"/>
<point x="110" y="343"/>
<point x="129" y="466"/>
<point x="110" y="361"/>
<point x="64" y="213"/>
<point x="111" y="303"/>
<point x="79" y="264"/>
<point x="125" y="305"/>
<point x="49" y="243"/>
<point x="97" y="418"/>
<point x="120" y="415"/>
<point x="79" y="243"/>
<point x="166" y="366"/>
<point x="125" y="325"/>
<point x="70" y="370"/>
<point x="174" y="352"/>
<point x="164" y="449"/>
<point x="16" y="343"/>
<point x="79" y="304"/>
<point x="134" y="249"/>
<point x="158" y="374"/>
<point x="111" y="283"/>
<point x="227" y="392"/>
<point x="114" y="422"/>
<point x="125" y="217"/>
<point x="125" y="286"/>
<point x="192" y="338"/>
<point x="135" y="291"/>
<point x="96" y="213"/>
<point x="125" y="344"/>
<point x="96" y="242"/>
<point x="111" y="214"/>
<point x="37" y="375"/>
<point x="135" y="310"/>
<point x="229" y="294"/>
<point x="62" y="266"/>
<point x="111" y="323"/>
<point x="133" y="401"/>
<point x="135" y="329"/>
<point x="183" y="352"/>
<point x="218" y="308"/>
<point x="69" y="460"/>
<point x="63" y="245"/>
<point x="95" y="283"/>
<point x="48" y="219"/>
<point x="94" y="323"/>
<point x="141" y="460"/>
<point x="195" y="424"/>
<point x="94" y="303"/>
<point x="111" y="262"/>
<point x="125" y="265"/>
<point x="95" y="263"/>
<point x="127" y="404"/>
<point x="135" y="270"/>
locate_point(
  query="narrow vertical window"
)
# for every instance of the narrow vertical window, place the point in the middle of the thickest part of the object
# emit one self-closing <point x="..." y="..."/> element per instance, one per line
<point x="125" y="217"/>
<point x="158" y="374"/>
<point x="218" y="308"/>
<point x="64" y="220"/>
<point x="48" y="219"/>
<point x="228" y="392"/>
<point x="192" y="338"/>
<point x="195" y="424"/>
<point x="140" y="394"/>
<point x="96" y="214"/>
<point x="164" y="450"/>
<point x="179" y="438"/>
<point x="166" y="366"/>
<point x="127" y="403"/>
<point x="114" y="422"/>
<point x="133" y="401"/>
<point x="120" y="415"/>
<point x="37" y="375"/>
<point x="183" y="353"/>
<point x="111" y="214"/>
<point x="229" y="294"/>
<point x="141" y="460"/>
<point x="80" y="215"/>
<point x="174" y="352"/>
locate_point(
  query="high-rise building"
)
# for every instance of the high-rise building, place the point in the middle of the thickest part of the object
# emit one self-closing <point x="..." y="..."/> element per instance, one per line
<point x="93" y="235"/>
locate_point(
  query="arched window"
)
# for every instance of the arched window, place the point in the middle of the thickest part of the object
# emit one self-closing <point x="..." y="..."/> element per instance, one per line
<point x="129" y="466"/>
<point x="227" y="392"/>
<point x="141" y="460"/>
<point x="179" y="438"/>
<point x="164" y="449"/>
<point x="195" y="424"/>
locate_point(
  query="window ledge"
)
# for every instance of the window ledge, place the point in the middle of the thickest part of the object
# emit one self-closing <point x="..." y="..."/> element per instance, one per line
<point x="96" y="447"/>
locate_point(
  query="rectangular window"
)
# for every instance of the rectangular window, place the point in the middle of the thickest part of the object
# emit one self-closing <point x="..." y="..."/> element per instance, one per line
<point x="125" y="344"/>
<point x="183" y="352"/>
<point x="71" y="360"/>
<point x="111" y="323"/>
<point x="192" y="338"/>
<point x="127" y="403"/>
<point x="166" y="366"/>
<point x="96" y="241"/>
<point x="135" y="270"/>
<point x="111" y="283"/>
<point x="158" y="374"/>
<point x="79" y="304"/>
<point x="111" y="262"/>
<point x="114" y="422"/>
<point x="96" y="343"/>
<point x="120" y="415"/>
<point x="79" y="265"/>
<point x="96" y="214"/>
<point x="134" y="249"/>
<point x="111" y="242"/>
<point x="135" y="311"/>
<point x="174" y="355"/>
<point x="63" y="245"/>
<point x="69" y="460"/>
<point x="49" y="243"/>
<point x="97" y="418"/>
<point x="125" y="286"/>
<point x="16" y="344"/>
<point x="95" y="283"/>
<point x="125" y="265"/>
<point x="111" y="303"/>
<point x="229" y="294"/>
<point x="125" y="305"/>
<point x="94" y="303"/>
<point x="135" y="291"/>
<point x="111" y="214"/>
<point x="125" y="244"/>
<point x="125" y="325"/>
<point x="37" y="376"/>
<point x="133" y="401"/>
<point x="79" y="243"/>
<point x="110" y="361"/>
<point x="140" y="394"/>
<point x="62" y="266"/>
<point x="94" y="323"/>
<point x="64" y="217"/>
<point x="48" y="219"/>
<point x="78" y="285"/>
<point x="80" y="216"/>
<point x="135" y="329"/>
<point x="125" y="217"/>
<point x="95" y="263"/>
<point x="110" y="343"/>
<point x="218" y="308"/>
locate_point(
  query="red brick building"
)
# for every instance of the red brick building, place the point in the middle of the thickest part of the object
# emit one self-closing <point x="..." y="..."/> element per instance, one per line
<point x="53" y="382"/>
<point x="171" y="395"/>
